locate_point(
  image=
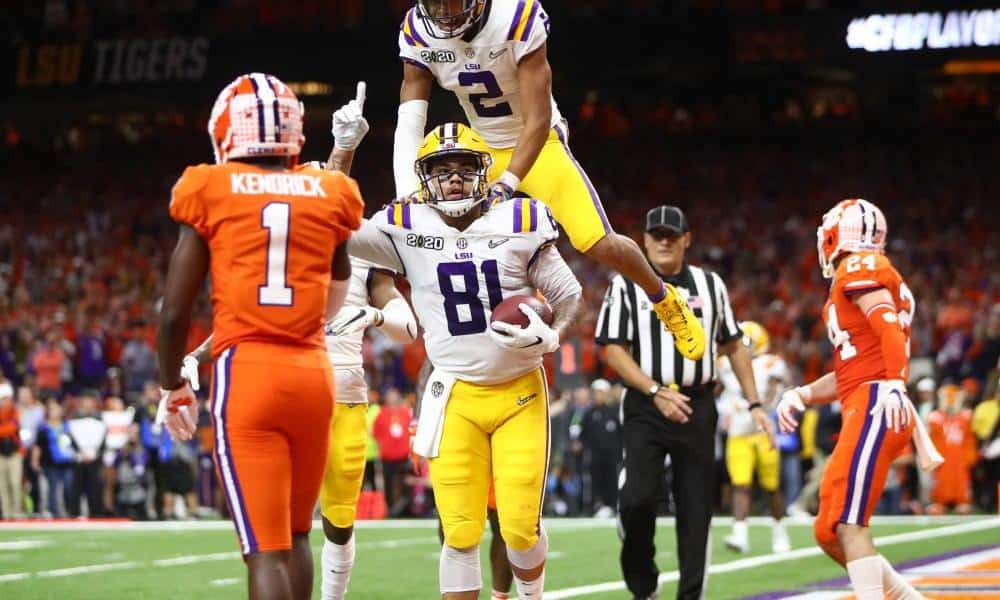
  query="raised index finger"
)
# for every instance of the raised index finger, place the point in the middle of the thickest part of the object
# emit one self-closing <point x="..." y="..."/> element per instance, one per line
<point x="360" y="96"/>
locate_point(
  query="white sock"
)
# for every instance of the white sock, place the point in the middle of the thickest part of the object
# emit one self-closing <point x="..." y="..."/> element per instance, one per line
<point x="530" y="559"/>
<point x="530" y="590"/>
<point x="897" y="588"/>
<point x="338" y="560"/>
<point x="866" y="577"/>
<point x="740" y="530"/>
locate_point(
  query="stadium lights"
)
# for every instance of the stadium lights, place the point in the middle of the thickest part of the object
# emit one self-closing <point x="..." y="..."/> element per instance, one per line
<point x="310" y="88"/>
<point x="916" y="31"/>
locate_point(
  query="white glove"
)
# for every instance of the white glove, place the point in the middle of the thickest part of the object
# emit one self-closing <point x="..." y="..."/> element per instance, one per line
<point x="536" y="339"/>
<point x="349" y="123"/>
<point x="892" y="400"/>
<point x="789" y="406"/>
<point x="353" y="319"/>
<point x="178" y="410"/>
<point x="189" y="371"/>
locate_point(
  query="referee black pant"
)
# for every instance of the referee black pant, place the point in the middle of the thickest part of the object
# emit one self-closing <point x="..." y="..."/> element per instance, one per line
<point x="648" y="438"/>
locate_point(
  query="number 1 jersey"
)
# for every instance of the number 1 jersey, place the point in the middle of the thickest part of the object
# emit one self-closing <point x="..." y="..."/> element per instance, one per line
<point x="857" y="350"/>
<point x="271" y="235"/>
<point x="480" y="67"/>
<point x="458" y="277"/>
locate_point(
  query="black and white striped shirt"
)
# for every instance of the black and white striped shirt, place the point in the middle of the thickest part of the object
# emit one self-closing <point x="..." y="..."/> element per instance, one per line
<point x="627" y="318"/>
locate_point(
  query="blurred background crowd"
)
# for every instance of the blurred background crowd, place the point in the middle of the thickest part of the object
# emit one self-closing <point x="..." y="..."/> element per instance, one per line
<point x="754" y="146"/>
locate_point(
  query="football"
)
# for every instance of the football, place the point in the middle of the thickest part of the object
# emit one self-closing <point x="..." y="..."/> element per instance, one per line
<point x="508" y="311"/>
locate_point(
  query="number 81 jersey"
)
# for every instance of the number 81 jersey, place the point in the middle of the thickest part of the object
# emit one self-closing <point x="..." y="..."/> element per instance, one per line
<point x="480" y="67"/>
<point x="457" y="278"/>
<point x="857" y="350"/>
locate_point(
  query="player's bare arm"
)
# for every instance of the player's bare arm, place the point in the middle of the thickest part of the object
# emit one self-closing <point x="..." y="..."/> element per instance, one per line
<point x="534" y="76"/>
<point x="795" y="401"/>
<point x="739" y="358"/>
<point x="188" y="267"/>
<point x="414" y="93"/>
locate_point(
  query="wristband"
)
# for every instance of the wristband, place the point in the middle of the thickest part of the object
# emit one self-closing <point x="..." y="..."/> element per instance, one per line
<point x="754" y="405"/>
<point x="805" y="392"/>
<point x="509" y="179"/>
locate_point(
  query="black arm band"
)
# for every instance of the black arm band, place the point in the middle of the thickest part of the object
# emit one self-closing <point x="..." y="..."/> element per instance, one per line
<point x="754" y="405"/>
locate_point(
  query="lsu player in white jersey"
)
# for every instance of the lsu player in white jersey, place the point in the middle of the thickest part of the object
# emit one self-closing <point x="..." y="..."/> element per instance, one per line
<point x="484" y="414"/>
<point x="492" y="55"/>
<point x="748" y="450"/>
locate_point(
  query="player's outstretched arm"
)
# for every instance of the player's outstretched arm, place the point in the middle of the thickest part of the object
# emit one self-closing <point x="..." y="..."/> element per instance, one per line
<point x="534" y="76"/>
<point x="414" y="93"/>
<point x="188" y="267"/>
<point x="348" y="129"/>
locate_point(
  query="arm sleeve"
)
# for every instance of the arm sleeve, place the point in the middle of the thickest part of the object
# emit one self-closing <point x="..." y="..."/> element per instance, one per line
<point x="186" y="203"/>
<point x="614" y="322"/>
<point x="550" y="274"/>
<point x="728" y="329"/>
<point x="529" y="28"/>
<point x="884" y="321"/>
<point x="376" y="246"/>
<point x="409" y="134"/>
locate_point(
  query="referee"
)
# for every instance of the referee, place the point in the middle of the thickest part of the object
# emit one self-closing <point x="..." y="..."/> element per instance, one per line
<point x="669" y="405"/>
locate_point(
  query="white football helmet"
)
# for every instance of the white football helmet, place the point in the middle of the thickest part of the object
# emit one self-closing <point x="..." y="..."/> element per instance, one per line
<point x="256" y="115"/>
<point x="853" y="225"/>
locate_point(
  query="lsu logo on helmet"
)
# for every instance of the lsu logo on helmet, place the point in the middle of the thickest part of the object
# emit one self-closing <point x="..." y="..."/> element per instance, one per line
<point x="853" y="225"/>
<point x="256" y="115"/>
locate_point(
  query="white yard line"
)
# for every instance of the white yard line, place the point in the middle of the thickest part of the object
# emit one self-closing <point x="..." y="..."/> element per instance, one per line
<point x="23" y="544"/>
<point x="766" y="559"/>
<point x="224" y="582"/>
<point x="89" y="569"/>
<point x="190" y="560"/>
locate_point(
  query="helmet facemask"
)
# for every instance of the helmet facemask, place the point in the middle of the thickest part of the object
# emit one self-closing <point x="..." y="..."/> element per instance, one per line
<point x="445" y="19"/>
<point x="454" y="181"/>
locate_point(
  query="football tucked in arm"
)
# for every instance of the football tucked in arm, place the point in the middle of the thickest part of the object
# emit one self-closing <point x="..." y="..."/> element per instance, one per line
<point x="508" y="311"/>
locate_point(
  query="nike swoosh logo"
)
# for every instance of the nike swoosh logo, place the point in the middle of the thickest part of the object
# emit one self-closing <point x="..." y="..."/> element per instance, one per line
<point x="537" y="341"/>
<point x="330" y="331"/>
<point x="526" y="399"/>
<point x="495" y="243"/>
<point x="336" y="572"/>
<point x="496" y="54"/>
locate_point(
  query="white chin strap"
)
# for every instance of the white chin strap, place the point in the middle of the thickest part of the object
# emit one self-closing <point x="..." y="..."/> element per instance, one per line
<point x="456" y="208"/>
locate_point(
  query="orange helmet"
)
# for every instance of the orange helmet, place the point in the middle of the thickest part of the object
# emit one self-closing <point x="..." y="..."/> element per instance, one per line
<point x="854" y="225"/>
<point x="256" y="115"/>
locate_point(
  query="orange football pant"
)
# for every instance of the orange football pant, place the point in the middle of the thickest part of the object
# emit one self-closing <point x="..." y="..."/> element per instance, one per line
<point x="855" y="475"/>
<point x="271" y="408"/>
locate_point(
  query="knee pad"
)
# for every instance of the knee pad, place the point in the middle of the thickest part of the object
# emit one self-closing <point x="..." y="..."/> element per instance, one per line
<point x="463" y="535"/>
<point x="459" y="570"/>
<point x="531" y="555"/>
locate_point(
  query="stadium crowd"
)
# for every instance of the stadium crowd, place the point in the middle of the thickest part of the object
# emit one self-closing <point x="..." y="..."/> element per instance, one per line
<point x="84" y="244"/>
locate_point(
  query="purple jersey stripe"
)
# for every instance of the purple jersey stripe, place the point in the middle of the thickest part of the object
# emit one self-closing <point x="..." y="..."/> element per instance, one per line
<point x="517" y="19"/>
<point x="251" y="537"/>
<point x="277" y="115"/>
<point x="260" y="109"/>
<point x="590" y="187"/>
<point x="533" y="208"/>
<point x="409" y="39"/>
<point x="517" y="215"/>
<point x="531" y="21"/>
<point x="872" y="462"/>
<point x="406" y="217"/>
<point x="413" y="28"/>
<point x="856" y="457"/>
<point x="390" y="214"/>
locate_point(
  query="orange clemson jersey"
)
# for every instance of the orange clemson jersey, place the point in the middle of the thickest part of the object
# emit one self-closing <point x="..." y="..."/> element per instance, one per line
<point x="952" y="435"/>
<point x="858" y="351"/>
<point x="272" y="236"/>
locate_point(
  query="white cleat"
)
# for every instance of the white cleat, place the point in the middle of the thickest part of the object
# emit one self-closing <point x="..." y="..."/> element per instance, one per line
<point x="737" y="543"/>
<point x="779" y="540"/>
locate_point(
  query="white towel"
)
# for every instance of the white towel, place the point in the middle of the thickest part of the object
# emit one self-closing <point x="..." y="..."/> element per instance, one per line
<point x="928" y="456"/>
<point x="430" y="426"/>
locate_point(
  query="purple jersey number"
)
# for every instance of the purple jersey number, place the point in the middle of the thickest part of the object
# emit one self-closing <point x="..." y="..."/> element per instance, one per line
<point x="469" y="296"/>
<point x="493" y="91"/>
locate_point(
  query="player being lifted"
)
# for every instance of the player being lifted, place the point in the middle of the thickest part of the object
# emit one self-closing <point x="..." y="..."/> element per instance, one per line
<point x="484" y="416"/>
<point x="748" y="450"/>
<point x="868" y="316"/>
<point x="492" y="55"/>
<point x="372" y="301"/>
<point x="271" y="235"/>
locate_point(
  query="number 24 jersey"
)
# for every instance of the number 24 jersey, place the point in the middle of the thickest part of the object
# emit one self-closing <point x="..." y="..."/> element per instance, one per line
<point x="857" y="350"/>
<point x="457" y="277"/>
<point x="482" y="72"/>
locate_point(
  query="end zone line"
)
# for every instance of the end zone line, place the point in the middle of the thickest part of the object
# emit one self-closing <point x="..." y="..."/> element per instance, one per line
<point x="766" y="559"/>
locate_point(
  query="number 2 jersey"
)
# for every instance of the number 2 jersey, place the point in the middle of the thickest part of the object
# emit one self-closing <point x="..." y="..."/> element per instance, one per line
<point x="458" y="277"/>
<point x="271" y="235"/>
<point x="857" y="350"/>
<point x="480" y="67"/>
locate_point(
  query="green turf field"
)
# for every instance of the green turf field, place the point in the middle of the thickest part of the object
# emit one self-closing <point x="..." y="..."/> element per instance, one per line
<point x="400" y="561"/>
